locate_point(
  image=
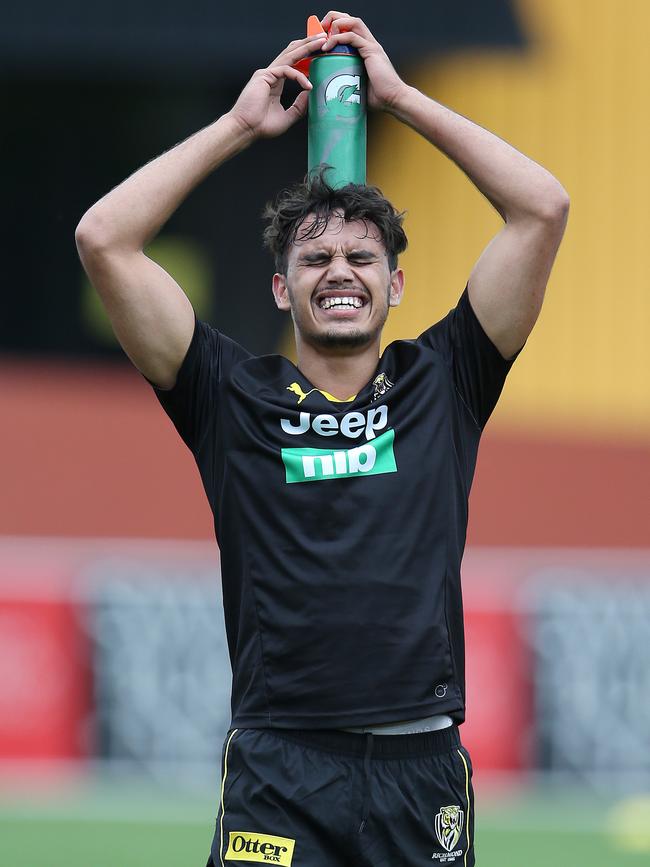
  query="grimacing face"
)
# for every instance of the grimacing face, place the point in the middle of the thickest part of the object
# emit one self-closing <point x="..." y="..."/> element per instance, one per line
<point x="339" y="286"/>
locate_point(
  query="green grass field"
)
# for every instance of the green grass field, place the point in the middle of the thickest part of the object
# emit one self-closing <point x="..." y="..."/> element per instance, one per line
<point x="123" y="826"/>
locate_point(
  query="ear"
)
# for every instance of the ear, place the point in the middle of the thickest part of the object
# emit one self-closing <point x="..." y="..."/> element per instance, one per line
<point x="280" y="292"/>
<point x="396" y="287"/>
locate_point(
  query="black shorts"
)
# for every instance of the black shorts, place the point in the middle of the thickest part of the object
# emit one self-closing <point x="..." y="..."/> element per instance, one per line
<point x="339" y="799"/>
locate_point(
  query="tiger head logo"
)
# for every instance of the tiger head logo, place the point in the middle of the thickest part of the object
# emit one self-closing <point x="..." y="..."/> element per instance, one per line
<point x="381" y="385"/>
<point x="449" y="824"/>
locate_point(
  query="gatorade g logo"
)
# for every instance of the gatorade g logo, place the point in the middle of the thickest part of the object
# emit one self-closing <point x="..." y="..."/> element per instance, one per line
<point x="344" y="88"/>
<point x="341" y="97"/>
<point x="249" y="846"/>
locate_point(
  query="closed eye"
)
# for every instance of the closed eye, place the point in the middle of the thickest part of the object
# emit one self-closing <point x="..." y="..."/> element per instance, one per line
<point x="362" y="260"/>
<point x="314" y="259"/>
<point x="353" y="258"/>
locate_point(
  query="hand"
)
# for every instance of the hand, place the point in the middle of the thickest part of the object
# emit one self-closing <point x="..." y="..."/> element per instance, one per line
<point x="384" y="84"/>
<point x="259" y="110"/>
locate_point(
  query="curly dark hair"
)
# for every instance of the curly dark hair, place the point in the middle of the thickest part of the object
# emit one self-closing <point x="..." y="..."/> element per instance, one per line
<point x="315" y="196"/>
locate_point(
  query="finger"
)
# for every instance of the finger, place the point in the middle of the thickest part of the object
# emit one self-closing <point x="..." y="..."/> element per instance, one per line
<point x="279" y="72"/>
<point x="299" y="106"/>
<point x="327" y="20"/>
<point x="336" y="22"/>
<point x="348" y="22"/>
<point x="298" y="49"/>
<point x="346" y="38"/>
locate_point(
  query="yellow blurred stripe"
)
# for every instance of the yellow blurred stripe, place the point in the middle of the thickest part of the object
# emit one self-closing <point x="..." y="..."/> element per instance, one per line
<point x="576" y="101"/>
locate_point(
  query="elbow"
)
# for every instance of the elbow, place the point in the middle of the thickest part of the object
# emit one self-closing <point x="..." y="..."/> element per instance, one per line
<point x="99" y="234"/>
<point x="90" y="235"/>
<point x="554" y="206"/>
<point x="545" y="207"/>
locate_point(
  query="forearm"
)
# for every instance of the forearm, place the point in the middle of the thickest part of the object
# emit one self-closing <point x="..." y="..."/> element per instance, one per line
<point x="134" y="212"/>
<point x="516" y="186"/>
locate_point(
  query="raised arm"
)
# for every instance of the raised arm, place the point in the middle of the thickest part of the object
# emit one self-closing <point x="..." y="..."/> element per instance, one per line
<point x="507" y="284"/>
<point x="151" y="315"/>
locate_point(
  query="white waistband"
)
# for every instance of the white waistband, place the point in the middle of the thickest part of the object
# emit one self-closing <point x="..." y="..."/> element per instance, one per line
<point x="406" y="727"/>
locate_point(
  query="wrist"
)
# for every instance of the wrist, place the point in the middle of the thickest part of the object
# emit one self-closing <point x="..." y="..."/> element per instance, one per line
<point x="241" y="132"/>
<point x="399" y="99"/>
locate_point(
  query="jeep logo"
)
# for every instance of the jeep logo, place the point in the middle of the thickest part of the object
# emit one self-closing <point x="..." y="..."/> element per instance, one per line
<point x="352" y="425"/>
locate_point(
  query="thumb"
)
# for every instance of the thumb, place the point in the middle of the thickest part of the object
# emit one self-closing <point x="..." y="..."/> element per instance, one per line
<point x="299" y="107"/>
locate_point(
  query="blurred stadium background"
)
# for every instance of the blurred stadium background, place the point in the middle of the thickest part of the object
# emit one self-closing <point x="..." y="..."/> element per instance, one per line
<point x="113" y="673"/>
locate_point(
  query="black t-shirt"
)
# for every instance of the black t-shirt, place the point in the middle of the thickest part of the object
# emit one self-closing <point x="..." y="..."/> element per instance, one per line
<point x="341" y="524"/>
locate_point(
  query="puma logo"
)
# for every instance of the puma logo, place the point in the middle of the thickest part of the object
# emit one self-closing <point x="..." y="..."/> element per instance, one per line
<point x="295" y="388"/>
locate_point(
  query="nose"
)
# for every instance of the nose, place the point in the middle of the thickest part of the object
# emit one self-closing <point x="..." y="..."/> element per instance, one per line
<point x="338" y="270"/>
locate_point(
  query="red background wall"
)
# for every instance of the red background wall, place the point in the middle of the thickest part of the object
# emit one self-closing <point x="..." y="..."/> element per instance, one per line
<point x="89" y="452"/>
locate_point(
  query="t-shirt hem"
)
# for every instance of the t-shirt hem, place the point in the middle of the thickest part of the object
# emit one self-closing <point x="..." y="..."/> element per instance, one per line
<point x="340" y="720"/>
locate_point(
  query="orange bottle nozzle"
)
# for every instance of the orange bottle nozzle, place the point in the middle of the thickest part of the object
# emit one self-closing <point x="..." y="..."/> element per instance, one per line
<point x="314" y="27"/>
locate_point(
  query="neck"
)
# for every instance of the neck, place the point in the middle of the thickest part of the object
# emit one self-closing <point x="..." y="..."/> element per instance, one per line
<point x="341" y="372"/>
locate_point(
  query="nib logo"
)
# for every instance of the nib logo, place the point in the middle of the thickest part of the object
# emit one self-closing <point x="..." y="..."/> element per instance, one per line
<point x="315" y="465"/>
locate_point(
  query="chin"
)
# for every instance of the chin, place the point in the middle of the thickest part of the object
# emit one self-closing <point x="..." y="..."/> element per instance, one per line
<point x="343" y="339"/>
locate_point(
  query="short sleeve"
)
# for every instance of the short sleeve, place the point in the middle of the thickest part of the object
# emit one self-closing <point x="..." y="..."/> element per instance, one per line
<point x="478" y="369"/>
<point x="193" y="402"/>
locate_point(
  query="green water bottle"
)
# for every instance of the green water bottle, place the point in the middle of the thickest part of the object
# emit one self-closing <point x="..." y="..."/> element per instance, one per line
<point x="337" y="115"/>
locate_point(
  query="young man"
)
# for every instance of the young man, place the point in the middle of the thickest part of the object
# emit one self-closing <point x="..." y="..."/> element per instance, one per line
<point x="339" y="487"/>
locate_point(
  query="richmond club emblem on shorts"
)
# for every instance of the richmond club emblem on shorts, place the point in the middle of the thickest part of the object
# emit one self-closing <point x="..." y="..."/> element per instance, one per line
<point x="449" y="824"/>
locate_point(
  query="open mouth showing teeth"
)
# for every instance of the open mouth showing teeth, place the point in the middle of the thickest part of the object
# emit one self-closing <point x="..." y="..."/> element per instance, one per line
<point x="343" y="303"/>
